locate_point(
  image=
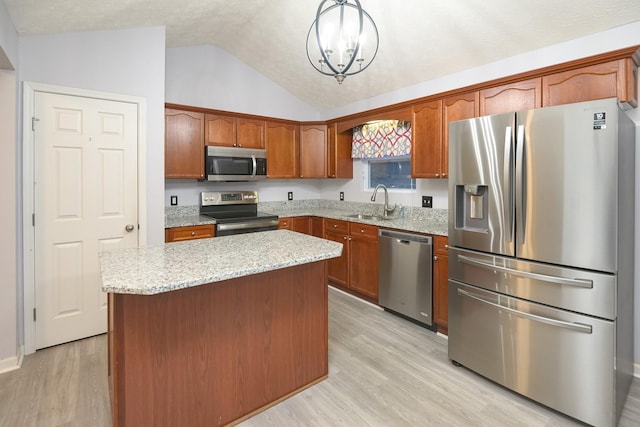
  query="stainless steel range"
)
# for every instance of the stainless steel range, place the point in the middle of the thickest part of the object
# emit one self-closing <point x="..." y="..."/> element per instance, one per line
<point x="236" y="212"/>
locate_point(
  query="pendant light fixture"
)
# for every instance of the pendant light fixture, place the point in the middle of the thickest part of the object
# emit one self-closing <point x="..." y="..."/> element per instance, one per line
<point x="343" y="40"/>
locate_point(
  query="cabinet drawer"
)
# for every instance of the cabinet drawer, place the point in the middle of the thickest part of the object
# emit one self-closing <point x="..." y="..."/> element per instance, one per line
<point x="177" y="234"/>
<point x="336" y="226"/>
<point x="440" y="245"/>
<point x="356" y="229"/>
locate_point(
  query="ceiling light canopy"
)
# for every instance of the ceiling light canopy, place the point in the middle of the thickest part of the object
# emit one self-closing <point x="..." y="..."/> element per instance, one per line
<point x="343" y="40"/>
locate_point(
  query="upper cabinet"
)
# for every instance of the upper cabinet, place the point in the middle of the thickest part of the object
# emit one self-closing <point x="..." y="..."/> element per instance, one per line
<point x="231" y="131"/>
<point x="339" y="162"/>
<point x="183" y="144"/>
<point x="427" y="143"/>
<point x="612" y="79"/>
<point x="313" y="151"/>
<point x="457" y="107"/>
<point x="283" y="145"/>
<point x="523" y="95"/>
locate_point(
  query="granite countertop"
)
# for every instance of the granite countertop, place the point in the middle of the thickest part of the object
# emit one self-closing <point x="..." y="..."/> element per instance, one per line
<point x="432" y="221"/>
<point x="426" y="226"/>
<point x="161" y="268"/>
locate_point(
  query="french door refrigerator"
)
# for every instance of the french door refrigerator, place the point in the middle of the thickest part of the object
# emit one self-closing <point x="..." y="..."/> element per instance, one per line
<point x="541" y="253"/>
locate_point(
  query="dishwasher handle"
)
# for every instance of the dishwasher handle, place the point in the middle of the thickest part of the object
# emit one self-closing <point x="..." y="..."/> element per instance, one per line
<point x="405" y="238"/>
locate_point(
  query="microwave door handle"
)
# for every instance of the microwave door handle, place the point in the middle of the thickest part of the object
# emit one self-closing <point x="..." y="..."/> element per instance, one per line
<point x="255" y="165"/>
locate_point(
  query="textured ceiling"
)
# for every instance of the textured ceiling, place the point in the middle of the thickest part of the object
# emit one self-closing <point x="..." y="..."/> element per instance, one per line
<point x="420" y="40"/>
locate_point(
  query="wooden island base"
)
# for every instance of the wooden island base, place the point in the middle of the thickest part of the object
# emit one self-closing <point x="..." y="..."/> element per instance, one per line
<point x="216" y="354"/>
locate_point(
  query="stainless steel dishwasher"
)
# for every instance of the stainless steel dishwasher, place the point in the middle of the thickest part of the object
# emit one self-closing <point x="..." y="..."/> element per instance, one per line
<point x="405" y="280"/>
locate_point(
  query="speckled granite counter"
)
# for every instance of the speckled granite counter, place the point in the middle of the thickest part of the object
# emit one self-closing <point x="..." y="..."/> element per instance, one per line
<point x="418" y="220"/>
<point x="162" y="268"/>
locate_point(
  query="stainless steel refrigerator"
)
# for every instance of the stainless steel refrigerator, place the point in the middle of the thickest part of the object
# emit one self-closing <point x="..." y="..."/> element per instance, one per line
<point x="541" y="254"/>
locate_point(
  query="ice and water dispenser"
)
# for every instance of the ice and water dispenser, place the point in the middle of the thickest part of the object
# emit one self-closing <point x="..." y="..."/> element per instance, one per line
<point x="472" y="207"/>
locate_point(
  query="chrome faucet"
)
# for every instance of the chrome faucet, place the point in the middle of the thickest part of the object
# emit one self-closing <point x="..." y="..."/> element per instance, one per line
<point x="387" y="210"/>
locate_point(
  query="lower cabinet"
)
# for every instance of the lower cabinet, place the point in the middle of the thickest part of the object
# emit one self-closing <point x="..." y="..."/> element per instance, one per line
<point x="440" y="283"/>
<point x="356" y="270"/>
<point x="178" y="234"/>
<point x="301" y="224"/>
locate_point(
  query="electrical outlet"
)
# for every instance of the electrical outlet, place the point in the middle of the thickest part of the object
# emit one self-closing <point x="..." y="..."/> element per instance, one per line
<point x="174" y="200"/>
<point x="290" y="195"/>
<point x="342" y="195"/>
<point x="427" y="201"/>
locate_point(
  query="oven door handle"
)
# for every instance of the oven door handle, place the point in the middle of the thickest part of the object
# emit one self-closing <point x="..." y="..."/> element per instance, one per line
<point x="247" y="225"/>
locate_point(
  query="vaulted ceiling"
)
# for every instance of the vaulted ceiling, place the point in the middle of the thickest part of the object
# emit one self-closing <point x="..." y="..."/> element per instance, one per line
<point x="420" y="40"/>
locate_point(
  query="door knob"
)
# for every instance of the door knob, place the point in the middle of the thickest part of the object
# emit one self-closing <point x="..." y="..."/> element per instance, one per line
<point x="129" y="228"/>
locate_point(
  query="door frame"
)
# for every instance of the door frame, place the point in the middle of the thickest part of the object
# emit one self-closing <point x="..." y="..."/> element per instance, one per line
<point x="28" y="202"/>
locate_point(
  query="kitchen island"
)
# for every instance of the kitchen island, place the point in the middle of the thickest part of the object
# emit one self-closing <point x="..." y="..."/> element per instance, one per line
<point x="211" y="331"/>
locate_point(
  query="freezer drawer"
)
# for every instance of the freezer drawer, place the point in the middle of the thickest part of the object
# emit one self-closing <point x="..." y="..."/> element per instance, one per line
<point x="581" y="291"/>
<point x="555" y="357"/>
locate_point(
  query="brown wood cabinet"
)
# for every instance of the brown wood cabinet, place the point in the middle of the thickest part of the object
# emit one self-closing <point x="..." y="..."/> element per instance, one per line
<point x="457" y="107"/>
<point x="612" y="79"/>
<point x="356" y="270"/>
<point x="301" y="224"/>
<point x="231" y="131"/>
<point x="524" y="95"/>
<point x="178" y="234"/>
<point x="282" y="141"/>
<point x="338" y="268"/>
<point x="313" y="151"/>
<point x="339" y="162"/>
<point x="363" y="259"/>
<point x="426" y="125"/>
<point x="440" y="283"/>
<point x="317" y="226"/>
<point x="183" y="144"/>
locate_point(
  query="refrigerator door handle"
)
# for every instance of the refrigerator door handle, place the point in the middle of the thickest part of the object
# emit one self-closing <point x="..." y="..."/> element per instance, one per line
<point x="579" y="327"/>
<point x="581" y="283"/>
<point x="521" y="196"/>
<point x="508" y="182"/>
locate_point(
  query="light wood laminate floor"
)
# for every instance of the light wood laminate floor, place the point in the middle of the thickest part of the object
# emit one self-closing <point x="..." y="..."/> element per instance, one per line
<point x="383" y="371"/>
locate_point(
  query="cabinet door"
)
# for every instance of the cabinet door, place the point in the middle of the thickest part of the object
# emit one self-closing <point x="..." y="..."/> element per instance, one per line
<point x="250" y="133"/>
<point x="339" y="161"/>
<point x="363" y="265"/>
<point x="427" y="142"/>
<point x="317" y="226"/>
<point x="282" y="144"/>
<point x="338" y="268"/>
<point x="457" y="107"/>
<point x="611" y="79"/>
<point x="524" y="95"/>
<point x="178" y="234"/>
<point x="313" y="151"/>
<point x="220" y="130"/>
<point x="440" y="284"/>
<point x="301" y="224"/>
<point x="183" y="144"/>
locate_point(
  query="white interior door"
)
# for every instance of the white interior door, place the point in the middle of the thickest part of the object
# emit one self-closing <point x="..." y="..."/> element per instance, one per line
<point x="85" y="196"/>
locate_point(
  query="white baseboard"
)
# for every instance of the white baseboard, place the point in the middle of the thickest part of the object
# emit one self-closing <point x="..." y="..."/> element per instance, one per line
<point x="12" y="363"/>
<point x="636" y="369"/>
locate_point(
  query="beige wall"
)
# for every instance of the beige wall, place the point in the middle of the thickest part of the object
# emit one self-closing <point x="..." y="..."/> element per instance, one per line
<point x="8" y="183"/>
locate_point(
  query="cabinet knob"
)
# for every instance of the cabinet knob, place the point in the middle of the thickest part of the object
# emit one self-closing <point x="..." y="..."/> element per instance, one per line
<point x="446" y="247"/>
<point x="435" y="258"/>
<point x="345" y="237"/>
<point x="444" y="175"/>
<point x="335" y="225"/>
<point x="361" y="230"/>
<point x="193" y="233"/>
<point x="437" y="175"/>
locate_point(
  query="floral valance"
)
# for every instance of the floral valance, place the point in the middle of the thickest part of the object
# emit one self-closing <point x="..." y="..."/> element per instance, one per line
<point x="386" y="138"/>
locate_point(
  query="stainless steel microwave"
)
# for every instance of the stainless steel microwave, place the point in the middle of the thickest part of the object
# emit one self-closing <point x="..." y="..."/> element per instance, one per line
<point x="235" y="164"/>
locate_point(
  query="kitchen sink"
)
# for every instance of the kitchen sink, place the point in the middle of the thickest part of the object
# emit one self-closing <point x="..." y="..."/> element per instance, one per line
<point x="371" y="217"/>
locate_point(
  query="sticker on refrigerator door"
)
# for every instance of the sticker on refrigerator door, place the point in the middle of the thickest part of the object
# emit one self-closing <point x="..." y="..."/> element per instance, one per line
<point x="599" y="120"/>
